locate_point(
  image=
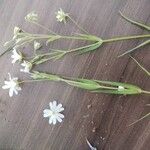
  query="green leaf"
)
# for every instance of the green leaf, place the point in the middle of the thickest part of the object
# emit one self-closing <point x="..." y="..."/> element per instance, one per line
<point x="44" y="76"/>
<point x="136" y="23"/>
<point x="128" y="88"/>
<point x="123" y="92"/>
<point x="91" y="47"/>
<point x="83" y="83"/>
<point x="90" y="37"/>
<point x="135" y="48"/>
<point x="52" y="39"/>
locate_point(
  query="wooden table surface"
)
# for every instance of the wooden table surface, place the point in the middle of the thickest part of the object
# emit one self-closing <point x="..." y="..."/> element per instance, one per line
<point x="102" y="119"/>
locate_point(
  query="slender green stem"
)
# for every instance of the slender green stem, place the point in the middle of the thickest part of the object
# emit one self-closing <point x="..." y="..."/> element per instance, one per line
<point x="102" y="87"/>
<point x="30" y="81"/>
<point x="77" y="25"/>
<point x="140" y="119"/>
<point x="40" y="25"/>
<point x="42" y="36"/>
<point x="126" y="38"/>
<point x="77" y="49"/>
<point x="146" y="92"/>
<point x="75" y="38"/>
<point x="146" y="71"/>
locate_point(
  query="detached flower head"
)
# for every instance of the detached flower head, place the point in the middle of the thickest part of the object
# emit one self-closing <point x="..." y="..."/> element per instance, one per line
<point x="16" y="56"/>
<point x="31" y="17"/>
<point x="54" y="113"/>
<point x="12" y="85"/>
<point x="61" y="16"/>
<point x="27" y="66"/>
<point x="37" y="45"/>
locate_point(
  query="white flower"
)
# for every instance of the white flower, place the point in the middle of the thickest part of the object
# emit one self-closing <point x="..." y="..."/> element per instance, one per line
<point x="37" y="45"/>
<point x="31" y="17"/>
<point x="90" y="146"/>
<point x="120" y="88"/>
<point x="12" y="85"/>
<point x="27" y="66"/>
<point x="54" y="113"/>
<point x="16" y="56"/>
<point x="61" y="16"/>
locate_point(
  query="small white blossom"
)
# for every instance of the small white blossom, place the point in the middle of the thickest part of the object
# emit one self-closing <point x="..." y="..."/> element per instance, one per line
<point x="31" y="17"/>
<point x="16" y="56"/>
<point x="53" y="113"/>
<point x="37" y="45"/>
<point x="27" y="66"/>
<point x="120" y="88"/>
<point x="12" y="85"/>
<point x="61" y="16"/>
<point x="90" y="146"/>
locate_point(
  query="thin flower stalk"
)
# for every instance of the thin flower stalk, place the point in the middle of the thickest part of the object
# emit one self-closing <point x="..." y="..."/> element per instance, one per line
<point x="145" y="116"/>
<point x="95" y="86"/>
<point x="82" y="29"/>
<point x="145" y="70"/>
<point x="135" y="48"/>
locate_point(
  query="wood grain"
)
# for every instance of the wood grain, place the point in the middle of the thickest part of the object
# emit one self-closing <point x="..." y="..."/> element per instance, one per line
<point x="102" y="119"/>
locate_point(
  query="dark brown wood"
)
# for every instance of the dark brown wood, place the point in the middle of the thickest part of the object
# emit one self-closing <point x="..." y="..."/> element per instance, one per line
<point x="102" y="119"/>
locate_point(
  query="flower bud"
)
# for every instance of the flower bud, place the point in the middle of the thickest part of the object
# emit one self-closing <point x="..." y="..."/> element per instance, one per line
<point x="31" y="17"/>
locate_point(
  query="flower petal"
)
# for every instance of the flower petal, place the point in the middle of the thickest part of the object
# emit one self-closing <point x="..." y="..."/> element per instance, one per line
<point x="54" y="120"/>
<point x="5" y="87"/>
<point x="60" y="115"/>
<point x="47" y="113"/>
<point x="59" y="119"/>
<point x="11" y="91"/>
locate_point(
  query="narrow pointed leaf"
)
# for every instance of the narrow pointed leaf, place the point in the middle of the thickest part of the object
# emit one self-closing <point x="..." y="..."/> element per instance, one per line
<point x="52" y="39"/>
<point x="146" y="71"/>
<point x="136" y="23"/>
<point x="135" y="48"/>
<point x="92" y="47"/>
<point x="84" y="85"/>
<point x="147" y="115"/>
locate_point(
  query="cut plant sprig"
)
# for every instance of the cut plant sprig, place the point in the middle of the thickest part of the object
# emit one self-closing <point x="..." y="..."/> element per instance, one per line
<point x="95" y="86"/>
<point x="22" y="37"/>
